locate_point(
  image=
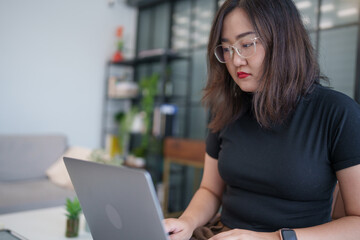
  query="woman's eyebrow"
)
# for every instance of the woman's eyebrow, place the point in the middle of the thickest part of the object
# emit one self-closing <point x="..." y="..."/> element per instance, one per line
<point x="238" y="36"/>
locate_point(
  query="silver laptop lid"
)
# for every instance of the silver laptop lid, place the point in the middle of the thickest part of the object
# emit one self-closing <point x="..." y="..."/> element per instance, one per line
<point x="118" y="202"/>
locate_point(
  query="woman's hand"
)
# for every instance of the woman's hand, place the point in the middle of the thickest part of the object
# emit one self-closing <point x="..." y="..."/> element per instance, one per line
<point x="241" y="234"/>
<point x="178" y="229"/>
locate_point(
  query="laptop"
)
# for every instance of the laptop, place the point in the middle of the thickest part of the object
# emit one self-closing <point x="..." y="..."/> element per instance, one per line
<point x="118" y="202"/>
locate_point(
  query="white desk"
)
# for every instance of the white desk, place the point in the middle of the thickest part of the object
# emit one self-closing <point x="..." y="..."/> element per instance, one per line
<point x="42" y="224"/>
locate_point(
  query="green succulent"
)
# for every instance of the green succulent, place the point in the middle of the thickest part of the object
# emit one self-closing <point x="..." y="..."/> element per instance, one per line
<point x="73" y="208"/>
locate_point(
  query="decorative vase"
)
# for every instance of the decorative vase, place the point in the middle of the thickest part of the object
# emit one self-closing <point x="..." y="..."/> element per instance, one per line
<point x="72" y="227"/>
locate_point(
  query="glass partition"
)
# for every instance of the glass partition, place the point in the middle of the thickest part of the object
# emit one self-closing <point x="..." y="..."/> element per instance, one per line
<point x="336" y="12"/>
<point x="308" y="11"/>
<point x="181" y="25"/>
<point x="199" y="75"/>
<point x="203" y="13"/>
<point x="144" y="29"/>
<point x="161" y="26"/>
<point x="198" y="121"/>
<point x="338" y="53"/>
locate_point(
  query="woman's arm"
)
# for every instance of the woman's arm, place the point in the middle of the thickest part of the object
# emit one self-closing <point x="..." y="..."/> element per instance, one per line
<point x="203" y="206"/>
<point x="207" y="199"/>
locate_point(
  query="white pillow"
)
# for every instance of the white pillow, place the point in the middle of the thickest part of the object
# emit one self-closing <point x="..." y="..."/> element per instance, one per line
<point x="57" y="172"/>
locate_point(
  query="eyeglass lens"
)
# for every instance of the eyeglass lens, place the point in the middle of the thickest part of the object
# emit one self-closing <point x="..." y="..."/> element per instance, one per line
<point x="244" y="47"/>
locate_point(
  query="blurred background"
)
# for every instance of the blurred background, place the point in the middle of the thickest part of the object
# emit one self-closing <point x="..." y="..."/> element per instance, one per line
<point x="52" y="65"/>
<point x="59" y="72"/>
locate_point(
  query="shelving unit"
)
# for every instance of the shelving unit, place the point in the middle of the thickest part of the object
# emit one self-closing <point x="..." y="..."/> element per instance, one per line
<point x="113" y="105"/>
<point x="125" y="103"/>
<point x="180" y="61"/>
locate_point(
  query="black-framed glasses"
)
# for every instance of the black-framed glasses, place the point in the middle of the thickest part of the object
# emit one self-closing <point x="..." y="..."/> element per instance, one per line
<point x="245" y="47"/>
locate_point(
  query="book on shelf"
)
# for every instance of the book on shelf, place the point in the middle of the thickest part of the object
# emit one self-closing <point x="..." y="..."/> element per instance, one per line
<point x="164" y="120"/>
<point x="121" y="84"/>
<point x="112" y="145"/>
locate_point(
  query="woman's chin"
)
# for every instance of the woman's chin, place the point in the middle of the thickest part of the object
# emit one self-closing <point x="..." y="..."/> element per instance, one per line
<point x="248" y="87"/>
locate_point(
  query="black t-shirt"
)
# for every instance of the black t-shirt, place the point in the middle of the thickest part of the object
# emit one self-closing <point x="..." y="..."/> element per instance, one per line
<point x="284" y="177"/>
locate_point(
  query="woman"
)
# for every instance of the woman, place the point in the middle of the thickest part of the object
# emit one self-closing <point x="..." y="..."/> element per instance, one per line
<point x="279" y="141"/>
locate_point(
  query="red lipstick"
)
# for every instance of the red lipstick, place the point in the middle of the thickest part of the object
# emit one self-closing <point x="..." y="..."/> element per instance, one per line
<point x="243" y="74"/>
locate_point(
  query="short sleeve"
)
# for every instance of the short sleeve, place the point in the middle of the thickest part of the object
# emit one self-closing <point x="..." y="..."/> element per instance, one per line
<point x="345" y="149"/>
<point x="213" y="144"/>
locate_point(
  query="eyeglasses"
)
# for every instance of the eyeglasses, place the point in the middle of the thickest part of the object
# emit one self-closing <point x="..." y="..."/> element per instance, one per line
<point x="244" y="47"/>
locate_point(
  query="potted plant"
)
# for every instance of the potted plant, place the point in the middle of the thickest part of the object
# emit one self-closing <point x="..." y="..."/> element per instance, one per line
<point x="145" y="108"/>
<point x="148" y="86"/>
<point x="73" y="210"/>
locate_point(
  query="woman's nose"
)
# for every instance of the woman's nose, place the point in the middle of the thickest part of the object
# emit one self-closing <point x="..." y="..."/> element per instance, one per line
<point x="238" y="60"/>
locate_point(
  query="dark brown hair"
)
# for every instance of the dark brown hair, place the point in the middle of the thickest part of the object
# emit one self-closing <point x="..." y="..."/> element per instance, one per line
<point x="290" y="68"/>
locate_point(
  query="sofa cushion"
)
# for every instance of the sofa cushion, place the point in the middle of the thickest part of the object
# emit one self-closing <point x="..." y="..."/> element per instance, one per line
<point x="58" y="173"/>
<point x="27" y="195"/>
<point x="25" y="157"/>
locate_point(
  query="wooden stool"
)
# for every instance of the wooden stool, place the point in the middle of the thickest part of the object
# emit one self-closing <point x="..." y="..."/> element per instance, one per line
<point x="184" y="152"/>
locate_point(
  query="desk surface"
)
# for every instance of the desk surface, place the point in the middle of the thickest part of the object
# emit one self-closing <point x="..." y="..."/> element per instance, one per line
<point x="42" y="224"/>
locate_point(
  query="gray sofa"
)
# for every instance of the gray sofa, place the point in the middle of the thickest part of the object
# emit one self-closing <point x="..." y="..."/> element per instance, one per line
<point x="24" y="160"/>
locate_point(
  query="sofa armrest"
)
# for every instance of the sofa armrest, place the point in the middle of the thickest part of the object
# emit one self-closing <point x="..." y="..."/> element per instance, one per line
<point x="24" y="157"/>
